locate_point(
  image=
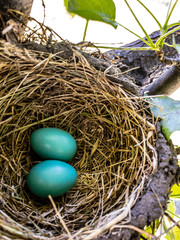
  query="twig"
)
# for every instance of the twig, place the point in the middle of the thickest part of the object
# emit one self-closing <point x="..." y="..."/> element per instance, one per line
<point x="60" y="218"/>
<point x="44" y="8"/>
<point x="168" y="216"/>
<point x="175" y="224"/>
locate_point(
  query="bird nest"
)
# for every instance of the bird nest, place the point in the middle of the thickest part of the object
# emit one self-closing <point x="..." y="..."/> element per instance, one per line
<point x="115" y="135"/>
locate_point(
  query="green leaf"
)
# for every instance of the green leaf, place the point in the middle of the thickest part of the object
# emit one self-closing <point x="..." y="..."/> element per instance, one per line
<point x="176" y="46"/>
<point x="171" y="207"/>
<point x="151" y="228"/>
<point x="176" y="232"/>
<point x="169" y="111"/>
<point x="139" y="23"/>
<point x="66" y="3"/>
<point x="166" y="225"/>
<point x="97" y="10"/>
<point x="169" y="13"/>
<point x="175" y="191"/>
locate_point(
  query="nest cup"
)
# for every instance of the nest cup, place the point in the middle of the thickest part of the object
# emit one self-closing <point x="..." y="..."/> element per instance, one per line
<point x="115" y="140"/>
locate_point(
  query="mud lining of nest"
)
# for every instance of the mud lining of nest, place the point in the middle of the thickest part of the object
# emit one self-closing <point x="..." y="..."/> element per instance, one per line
<point x="115" y="135"/>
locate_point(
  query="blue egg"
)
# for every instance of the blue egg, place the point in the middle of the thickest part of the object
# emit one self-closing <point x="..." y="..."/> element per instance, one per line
<point x="51" y="177"/>
<point x="53" y="143"/>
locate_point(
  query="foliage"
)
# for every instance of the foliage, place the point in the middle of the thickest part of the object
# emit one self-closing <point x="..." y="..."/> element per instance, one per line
<point x="175" y="191"/>
<point x="104" y="11"/>
<point x="163" y="29"/>
<point x="176" y="46"/>
<point x="169" y="221"/>
<point x="168" y="110"/>
<point x="97" y="10"/>
<point x="166" y="226"/>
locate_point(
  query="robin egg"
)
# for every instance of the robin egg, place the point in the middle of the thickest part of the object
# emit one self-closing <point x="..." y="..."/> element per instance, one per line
<point x="51" y="177"/>
<point x="53" y="143"/>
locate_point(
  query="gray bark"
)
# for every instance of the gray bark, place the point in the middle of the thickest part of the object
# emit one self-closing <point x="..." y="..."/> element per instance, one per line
<point x="23" y="6"/>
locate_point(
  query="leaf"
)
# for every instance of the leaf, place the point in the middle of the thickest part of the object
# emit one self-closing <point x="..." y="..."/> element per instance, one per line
<point x="151" y="228"/>
<point x="175" y="191"/>
<point x="176" y="46"/>
<point x="176" y="232"/>
<point x="66" y="6"/>
<point x="66" y="3"/>
<point x="97" y="10"/>
<point x="166" y="225"/>
<point x="168" y="110"/>
<point x="171" y="207"/>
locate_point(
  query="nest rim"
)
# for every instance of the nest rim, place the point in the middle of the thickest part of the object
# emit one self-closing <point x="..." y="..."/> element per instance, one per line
<point x="120" y="214"/>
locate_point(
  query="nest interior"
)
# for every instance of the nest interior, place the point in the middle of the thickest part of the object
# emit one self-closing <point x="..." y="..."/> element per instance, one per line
<point x="115" y="141"/>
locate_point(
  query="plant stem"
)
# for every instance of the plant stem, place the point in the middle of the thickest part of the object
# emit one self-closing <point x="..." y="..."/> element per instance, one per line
<point x="165" y="35"/>
<point x="85" y="30"/>
<point x="173" y="24"/>
<point x="169" y="45"/>
<point x="169" y="14"/>
<point x="168" y="9"/>
<point x="150" y="14"/>
<point x="125" y="48"/>
<point x="147" y="43"/>
<point x="176" y="46"/>
<point x="146" y="34"/>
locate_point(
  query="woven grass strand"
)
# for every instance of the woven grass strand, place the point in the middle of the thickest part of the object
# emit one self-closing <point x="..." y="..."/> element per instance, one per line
<point x="108" y="123"/>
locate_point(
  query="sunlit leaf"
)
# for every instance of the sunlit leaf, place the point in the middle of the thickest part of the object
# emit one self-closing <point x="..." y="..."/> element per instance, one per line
<point x="151" y="228"/>
<point x="171" y="207"/>
<point x="175" y="191"/>
<point x="166" y="225"/>
<point x="66" y="3"/>
<point x="173" y="233"/>
<point x="97" y="10"/>
<point x="176" y="232"/>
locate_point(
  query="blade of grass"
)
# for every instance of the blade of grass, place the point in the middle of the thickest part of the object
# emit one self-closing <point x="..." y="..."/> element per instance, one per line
<point x="125" y="48"/>
<point x="169" y="7"/>
<point x="173" y="24"/>
<point x="177" y="47"/>
<point x="165" y="35"/>
<point x="169" y="15"/>
<point x="160" y="26"/>
<point x="169" y="45"/>
<point x="147" y="43"/>
<point x="146" y="34"/>
<point x="127" y="29"/>
<point x="173" y="213"/>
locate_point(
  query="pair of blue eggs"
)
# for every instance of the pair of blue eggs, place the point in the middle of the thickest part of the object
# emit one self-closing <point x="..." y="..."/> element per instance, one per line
<point x="54" y="176"/>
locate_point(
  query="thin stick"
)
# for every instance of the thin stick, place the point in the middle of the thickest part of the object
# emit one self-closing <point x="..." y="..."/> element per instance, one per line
<point x="168" y="216"/>
<point x="165" y="232"/>
<point x="60" y="218"/>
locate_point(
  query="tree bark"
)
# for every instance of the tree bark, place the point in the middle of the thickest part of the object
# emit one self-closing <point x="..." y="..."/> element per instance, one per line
<point x="153" y="73"/>
<point x="23" y="6"/>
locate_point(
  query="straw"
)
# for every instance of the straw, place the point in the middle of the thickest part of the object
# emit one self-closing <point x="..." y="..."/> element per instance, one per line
<point x="115" y="138"/>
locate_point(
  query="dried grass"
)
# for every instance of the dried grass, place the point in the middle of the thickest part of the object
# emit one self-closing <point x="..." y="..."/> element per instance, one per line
<point x="115" y="141"/>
